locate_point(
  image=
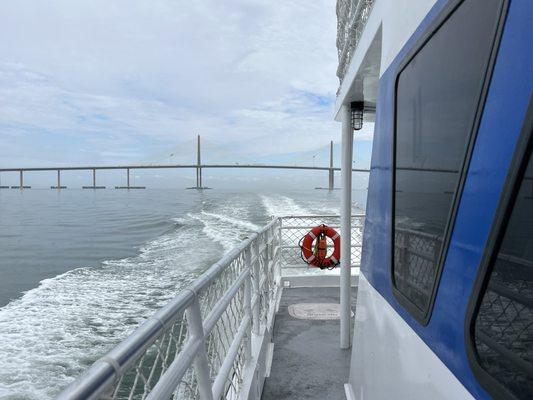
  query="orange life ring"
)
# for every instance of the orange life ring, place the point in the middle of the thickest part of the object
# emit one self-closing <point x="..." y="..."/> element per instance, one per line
<point x="316" y="254"/>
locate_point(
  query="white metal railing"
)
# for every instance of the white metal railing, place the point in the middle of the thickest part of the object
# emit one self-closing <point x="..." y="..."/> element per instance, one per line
<point x="200" y="344"/>
<point x="351" y="19"/>
<point x="209" y="341"/>
<point x="293" y="228"/>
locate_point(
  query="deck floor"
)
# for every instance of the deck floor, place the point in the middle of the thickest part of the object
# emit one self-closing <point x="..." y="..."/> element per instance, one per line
<point x="307" y="361"/>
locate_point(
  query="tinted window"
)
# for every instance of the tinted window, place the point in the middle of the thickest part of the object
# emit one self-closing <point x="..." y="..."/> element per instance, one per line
<point x="436" y="102"/>
<point x="503" y="331"/>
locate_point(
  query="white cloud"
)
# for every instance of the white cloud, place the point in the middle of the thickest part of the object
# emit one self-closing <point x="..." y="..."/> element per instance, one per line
<point x="93" y="79"/>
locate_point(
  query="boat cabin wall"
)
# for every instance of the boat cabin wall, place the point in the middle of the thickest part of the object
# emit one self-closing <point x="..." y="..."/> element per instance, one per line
<point x="399" y="352"/>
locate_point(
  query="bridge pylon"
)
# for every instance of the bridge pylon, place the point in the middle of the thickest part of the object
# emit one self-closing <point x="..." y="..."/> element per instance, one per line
<point x="199" y="169"/>
<point x="331" y="170"/>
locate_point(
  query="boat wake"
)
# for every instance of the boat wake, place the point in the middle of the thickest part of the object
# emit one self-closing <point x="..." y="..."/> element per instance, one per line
<point x="223" y="229"/>
<point x="280" y="206"/>
<point x="55" y="331"/>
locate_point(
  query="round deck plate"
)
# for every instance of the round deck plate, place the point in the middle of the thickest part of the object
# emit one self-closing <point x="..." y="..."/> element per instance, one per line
<point x="315" y="311"/>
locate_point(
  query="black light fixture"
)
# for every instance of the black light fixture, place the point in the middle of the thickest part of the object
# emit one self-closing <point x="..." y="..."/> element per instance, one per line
<point x="357" y="108"/>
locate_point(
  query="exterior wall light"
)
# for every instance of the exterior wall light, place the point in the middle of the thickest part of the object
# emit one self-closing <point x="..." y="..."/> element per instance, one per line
<point x="357" y="108"/>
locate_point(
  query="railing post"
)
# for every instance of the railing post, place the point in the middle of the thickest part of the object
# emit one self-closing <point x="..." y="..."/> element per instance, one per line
<point x="21" y="178"/>
<point x="272" y="248"/>
<point x="248" y="312"/>
<point x="249" y="287"/>
<point x="267" y="265"/>
<point x="201" y="365"/>
<point x="256" y="278"/>
<point x="280" y="244"/>
<point x="271" y="241"/>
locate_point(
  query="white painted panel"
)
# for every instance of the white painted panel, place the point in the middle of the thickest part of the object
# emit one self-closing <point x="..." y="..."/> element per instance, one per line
<point x="390" y="361"/>
<point x="398" y="20"/>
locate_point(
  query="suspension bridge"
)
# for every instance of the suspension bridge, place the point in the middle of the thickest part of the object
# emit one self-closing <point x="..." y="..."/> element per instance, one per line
<point x="198" y="167"/>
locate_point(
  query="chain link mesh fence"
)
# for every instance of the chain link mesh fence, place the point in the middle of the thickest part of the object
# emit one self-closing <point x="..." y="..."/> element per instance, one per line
<point x="415" y="262"/>
<point x="504" y="325"/>
<point x="293" y="229"/>
<point x="139" y="380"/>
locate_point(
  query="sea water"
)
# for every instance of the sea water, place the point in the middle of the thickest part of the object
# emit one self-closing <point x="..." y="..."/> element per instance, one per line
<point x="81" y="269"/>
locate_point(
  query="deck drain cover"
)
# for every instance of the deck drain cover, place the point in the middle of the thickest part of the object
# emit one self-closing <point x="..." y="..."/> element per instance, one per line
<point x="324" y="311"/>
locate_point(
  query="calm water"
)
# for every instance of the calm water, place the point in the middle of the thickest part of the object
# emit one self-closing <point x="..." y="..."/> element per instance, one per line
<point x="79" y="270"/>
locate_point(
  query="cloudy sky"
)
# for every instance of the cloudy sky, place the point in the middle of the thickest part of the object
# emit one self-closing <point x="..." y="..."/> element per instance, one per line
<point x="121" y="81"/>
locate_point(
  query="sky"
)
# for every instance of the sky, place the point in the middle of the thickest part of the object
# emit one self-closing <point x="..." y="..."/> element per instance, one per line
<point x="115" y="82"/>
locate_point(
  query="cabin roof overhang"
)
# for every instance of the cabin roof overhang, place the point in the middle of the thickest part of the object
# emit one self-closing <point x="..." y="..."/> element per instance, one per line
<point x="389" y="26"/>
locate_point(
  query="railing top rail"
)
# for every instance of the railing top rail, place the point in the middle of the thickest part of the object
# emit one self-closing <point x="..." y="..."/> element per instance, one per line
<point x="320" y="216"/>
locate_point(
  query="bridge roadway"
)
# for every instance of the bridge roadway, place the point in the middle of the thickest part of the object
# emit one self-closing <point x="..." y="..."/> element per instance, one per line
<point x="166" y="166"/>
<point x="198" y="167"/>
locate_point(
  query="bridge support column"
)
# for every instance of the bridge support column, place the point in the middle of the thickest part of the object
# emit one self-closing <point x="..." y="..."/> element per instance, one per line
<point x="331" y="181"/>
<point x="198" y="168"/>
<point x="128" y="185"/>
<point x="346" y="227"/>
<point x="58" y="185"/>
<point x="94" y="182"/>
<point x="21" y="181"/>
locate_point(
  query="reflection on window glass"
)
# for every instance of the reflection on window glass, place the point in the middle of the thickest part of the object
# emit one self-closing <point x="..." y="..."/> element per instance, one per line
<point x="504" y="324"/>
<point x="436" y="102"/>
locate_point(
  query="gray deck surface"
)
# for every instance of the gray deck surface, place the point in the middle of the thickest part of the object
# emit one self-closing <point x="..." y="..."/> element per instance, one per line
<point x="307" y="361"/>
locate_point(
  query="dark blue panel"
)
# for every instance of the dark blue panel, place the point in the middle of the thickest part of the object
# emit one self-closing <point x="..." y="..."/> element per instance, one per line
<point x="507" y="100"/>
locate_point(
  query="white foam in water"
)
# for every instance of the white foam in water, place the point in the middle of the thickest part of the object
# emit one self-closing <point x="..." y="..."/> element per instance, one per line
<point x="233" y="221"/>
<point x="225" y="230"/>
<point x="279" y="206"/>
<point x="55" y="331"/>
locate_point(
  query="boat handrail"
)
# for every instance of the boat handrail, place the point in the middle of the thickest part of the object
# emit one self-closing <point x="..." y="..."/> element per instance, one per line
<point x="205" y="319"/>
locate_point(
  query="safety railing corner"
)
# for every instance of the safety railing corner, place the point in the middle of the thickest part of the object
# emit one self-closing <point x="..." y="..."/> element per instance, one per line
<point x="207" y="343"/>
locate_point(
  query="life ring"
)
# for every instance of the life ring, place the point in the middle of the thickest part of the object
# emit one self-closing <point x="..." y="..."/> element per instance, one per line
<point x="315" y="254"/>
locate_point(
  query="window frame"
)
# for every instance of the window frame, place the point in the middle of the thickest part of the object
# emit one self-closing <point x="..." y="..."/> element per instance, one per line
<point x="423" y="316"/>
<point x="522" y="155"/>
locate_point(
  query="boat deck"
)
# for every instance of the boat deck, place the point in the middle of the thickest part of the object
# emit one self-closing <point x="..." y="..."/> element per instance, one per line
<point x="307" y="361"/>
